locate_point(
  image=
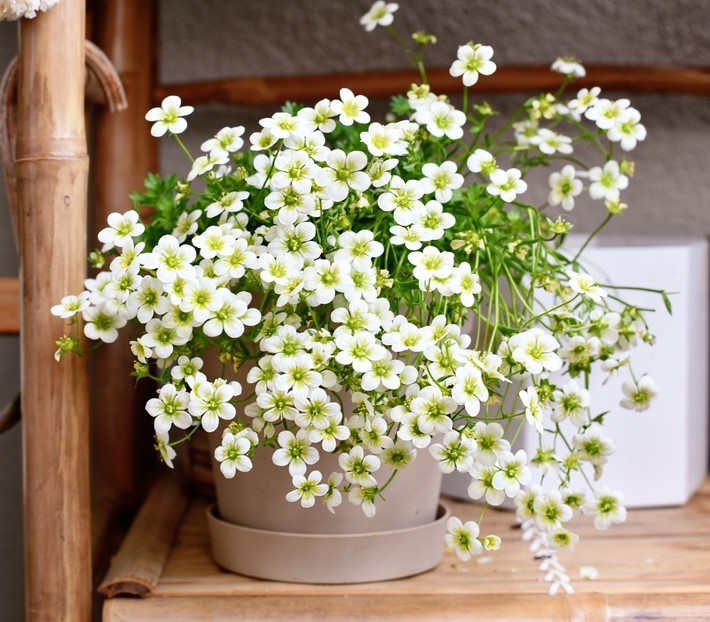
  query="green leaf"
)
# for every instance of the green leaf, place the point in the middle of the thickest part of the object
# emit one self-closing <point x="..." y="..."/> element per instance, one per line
<point x="667" y="303"/>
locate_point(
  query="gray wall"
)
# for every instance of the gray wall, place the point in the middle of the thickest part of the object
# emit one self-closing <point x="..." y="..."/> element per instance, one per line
<point x="222" y="38"/>
<point x="10" y="442"/>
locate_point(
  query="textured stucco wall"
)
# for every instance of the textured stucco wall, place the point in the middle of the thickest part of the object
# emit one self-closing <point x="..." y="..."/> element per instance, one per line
<point x="671" y="192"/>
<point x="220" y="38"/>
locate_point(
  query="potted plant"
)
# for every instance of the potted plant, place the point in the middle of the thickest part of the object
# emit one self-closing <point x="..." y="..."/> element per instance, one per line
<point x="385" y="296"/>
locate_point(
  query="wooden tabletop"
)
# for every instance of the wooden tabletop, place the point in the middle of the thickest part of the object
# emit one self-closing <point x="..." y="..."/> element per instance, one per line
<point x="655" y="565"/>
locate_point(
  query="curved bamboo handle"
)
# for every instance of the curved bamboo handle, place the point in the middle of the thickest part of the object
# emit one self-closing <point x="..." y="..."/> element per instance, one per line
<point x="109" y="91"/>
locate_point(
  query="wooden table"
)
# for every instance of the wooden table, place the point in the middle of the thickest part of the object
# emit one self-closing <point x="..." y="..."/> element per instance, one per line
<point x="656" y="565"/>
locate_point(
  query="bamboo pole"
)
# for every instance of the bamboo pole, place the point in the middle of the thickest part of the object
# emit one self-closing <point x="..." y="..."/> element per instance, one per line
<point x="52" y="171"/>
<point x="123" y="154"/>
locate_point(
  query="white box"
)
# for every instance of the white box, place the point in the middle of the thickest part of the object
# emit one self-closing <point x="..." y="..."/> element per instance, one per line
<point x="661" y="454"/>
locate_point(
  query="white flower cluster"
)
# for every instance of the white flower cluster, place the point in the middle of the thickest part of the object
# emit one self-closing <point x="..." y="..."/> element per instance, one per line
<point x="337" y="261"/>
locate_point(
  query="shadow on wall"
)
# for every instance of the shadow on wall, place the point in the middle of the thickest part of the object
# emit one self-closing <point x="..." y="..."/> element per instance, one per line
<point x="11" y="573"/>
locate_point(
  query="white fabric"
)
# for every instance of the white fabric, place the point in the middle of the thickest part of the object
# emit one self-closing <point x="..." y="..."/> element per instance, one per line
<point x="15" y="9"/>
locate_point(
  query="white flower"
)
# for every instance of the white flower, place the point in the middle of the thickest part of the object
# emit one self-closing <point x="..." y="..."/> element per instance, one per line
<point x="430" y="264"/>
<point x="506" y="184"/>
<point x="350" y="107"/>
<point x="296" y="375"/>
<point x="380" y="14"/>
<point x="402" y="197"/>
<point x="204" y="164"/>
<point x="295" y="170"/>
<point x="571" y="402"/>
<point x="441" y="119"/>
<point x="564" y="187"/>
<point x="432" y="220"/>
<point x="227" y="140"/>
<point x="320" y="118"/>
<point x="463" y="538"/>
<point x="473" y="59"/>
<point x="307" y="489"/>
<point x="535" y="350"/>
<point x="606" y="507"/>
<point x="186" y="369"/>
<point x="433" y="409"/>
<point x="481" y="161"/>
<point x="585" y="98"/>
<point x="343" y="173"/>
<point x="549" y="142"/>
<point x="482" y="485"/>
<point x="409" y="431"/>
<point x="232" y="455"/>
<point x="101" y="323"/>
<point x="584" y="284"/>
<point x="490" y="443"/>
<point x="169" y="408"/>
<point x="456" y="451"/>
<point x="533" y="408"/>
<point x="69" y="306"/>
<point x="170" y="259"/>
<point x="639" y="395"/>
<point x="563" y="539"/>
<point x="230" y="313"/>
<point x="167" y="453"/>
<point x="230" y="202"/>
<point x="580" y="350"/>
<point x="210" y="402"/>
<point x="568" y="66"/>
<point x="332" y="497"/>
<point x="358" y="468"/>
<point x="360" y="350"/>
<point x="588" y="572"/>
<point x="186" y="225"/>
<point x="441" y="179"/>
<point x="628" y="130"/>
<point x="469" y="389"/>
<point x="467" y="284"/>
<point x="358" y="247"/>
<point x="387" y="373"/>
<point x="168" y="117"/>
<point x="295" y="452"/>
<point x="323" y="279"/>
<point x="513" y="473"/>
<point x="593" y="445"/>
<point x="122" y="228"/>
<point x="606" y="113"/>
<point x="551" y="511"/>
<point x="383" y="140"/>
<point x="282" y="125"/>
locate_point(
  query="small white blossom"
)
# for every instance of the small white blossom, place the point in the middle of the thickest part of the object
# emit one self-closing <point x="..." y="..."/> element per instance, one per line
<point x="506" y="184"/>
<point x="463" y="538"/>
<point x="564" y="187"/>
<point x="472" y="60"/>
<point x="583" y="283"/>
<point x="232" y="455"/>
<point x="380" y="14"/>
<point x="568" y="66"/>
<point x="168" y="117"/>
<point x="639" y="395"/>
<point x="306" y="489"/>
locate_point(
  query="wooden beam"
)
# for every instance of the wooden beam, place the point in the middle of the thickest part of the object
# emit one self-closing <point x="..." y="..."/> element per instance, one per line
<point x="9" y="306"/>
<point x="124" y="152"/>
<point x="52" y="170"/>
<point x="278" y="89"/>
